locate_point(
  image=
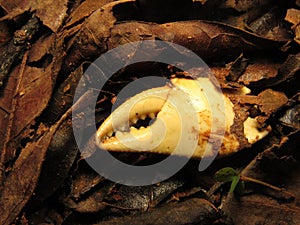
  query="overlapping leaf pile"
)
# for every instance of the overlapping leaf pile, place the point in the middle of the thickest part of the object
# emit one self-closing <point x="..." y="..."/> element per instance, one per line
<point x="46" y="47"/>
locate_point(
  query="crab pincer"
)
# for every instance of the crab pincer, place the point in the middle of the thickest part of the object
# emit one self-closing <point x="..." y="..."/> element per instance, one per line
<point x="181" y="118"/>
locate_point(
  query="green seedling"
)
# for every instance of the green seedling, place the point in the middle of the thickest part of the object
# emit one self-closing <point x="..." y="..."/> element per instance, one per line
<point x="237" y="180"/>
<point x="229" y="174"/>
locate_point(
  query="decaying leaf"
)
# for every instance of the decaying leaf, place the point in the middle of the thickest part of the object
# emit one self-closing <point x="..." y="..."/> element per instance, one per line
<point x="268" y="212"/>
<point x="265" y="102"/>
<point x="16" y="48"/>
<point x="271" y="25"/>
<point x="83" y="180"/>
<point x="191" y="211"/>
<point x="40" y="53"/>
<point x="237" y="68"/>
<point x="62" y="98"/>
<point x="93" y="203"/>
<point x="51" y="13"/>
<point x="22" y="180"/>
<point x="258" y="72"/>
<point x="141" y="198"/>
<point x="84" y="10"/>
<point x="288" y="72"/>
<point x="5" y="33"/>
<point x="208" y="39"/>
<point x="59" y="159"/>
<point x="47" y="45"/>
<point x="25" y="96"/>
<point x="278" y="208"/>
<point x="293" y="16"/>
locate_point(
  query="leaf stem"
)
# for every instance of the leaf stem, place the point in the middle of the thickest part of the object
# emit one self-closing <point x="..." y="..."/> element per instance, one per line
<point x="253" y="180"/>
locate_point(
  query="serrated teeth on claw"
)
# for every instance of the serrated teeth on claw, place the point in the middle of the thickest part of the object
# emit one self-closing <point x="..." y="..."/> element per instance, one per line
<point x="149" y="102"/>
<point x="109" y="134"/>
<point x="151" y="115"/>
<point x="143" y="117"/>
<point x="180" y="115"/>
<point x="134" y="120"/>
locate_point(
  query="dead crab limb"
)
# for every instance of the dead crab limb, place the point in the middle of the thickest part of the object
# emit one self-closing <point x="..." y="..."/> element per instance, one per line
<point x="156" y="121"/>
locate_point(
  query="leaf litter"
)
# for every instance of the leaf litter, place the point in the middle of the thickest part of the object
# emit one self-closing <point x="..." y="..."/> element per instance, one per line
<point x="253" y="44"/>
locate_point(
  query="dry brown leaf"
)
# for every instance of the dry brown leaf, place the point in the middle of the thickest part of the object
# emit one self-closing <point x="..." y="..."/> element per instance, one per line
<point x="22" y="180"/>
<point x="8" y="104"/>
<point x="84" y="179"/>
<point x="268" y="74"/>
<point x="41" y="48"/>
<point x="5" y="33"/>
<point x="190" y="211"/>
<point x="293" y="16"/>
<point x="260" y="209"/>
<point x="92" y="204"/>
<point x="138" y="198"/>
<point x="62" y="98"/>
<point x="24" y="97"/>
<point x="52" y="13"/>
<point x="60" y="157"/>
<point x="94" y="27"/>
<point x="274" y="207"/>
<point x="270" y="25"/>
<point x="33" y="95"/>
<point x="289" y="69"/>
<point x="209" y="40"/>
<point x="259" y="71"/>
<point x="84" y="10"/>
<point x="94" y="36"/>
<point x="268" y="102"/>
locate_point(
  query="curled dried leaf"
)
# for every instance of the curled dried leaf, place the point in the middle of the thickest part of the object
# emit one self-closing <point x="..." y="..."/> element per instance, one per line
<point x="51" y="13"/>
<point x="210" y="40"/>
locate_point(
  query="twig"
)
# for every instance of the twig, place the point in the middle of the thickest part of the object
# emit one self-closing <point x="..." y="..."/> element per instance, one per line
<point x="253" y="180"/>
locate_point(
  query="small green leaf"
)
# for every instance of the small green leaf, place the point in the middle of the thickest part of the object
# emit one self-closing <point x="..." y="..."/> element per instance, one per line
<point x="235" y="180"/>
<point x="226" y="174"/>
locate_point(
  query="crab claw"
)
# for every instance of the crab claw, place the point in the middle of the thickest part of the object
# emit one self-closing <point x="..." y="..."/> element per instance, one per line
<point x="174" y="119"/>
